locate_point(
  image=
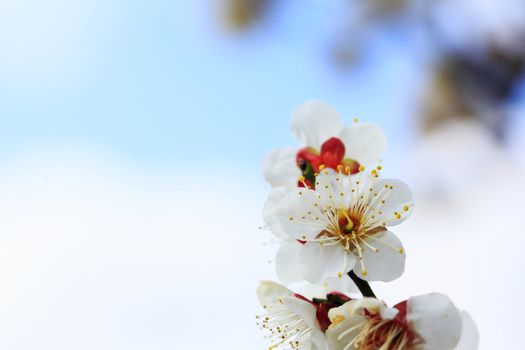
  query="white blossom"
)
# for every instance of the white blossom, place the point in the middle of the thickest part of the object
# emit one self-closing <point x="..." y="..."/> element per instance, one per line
<point x="290" y="319"/>
<point x="313" y="124"/>
<point x="340" y="226"/>
<point x="427" y="322"/>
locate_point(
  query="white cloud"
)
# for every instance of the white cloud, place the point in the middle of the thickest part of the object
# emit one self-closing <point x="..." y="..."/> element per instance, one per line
<point x="98" y="255"/>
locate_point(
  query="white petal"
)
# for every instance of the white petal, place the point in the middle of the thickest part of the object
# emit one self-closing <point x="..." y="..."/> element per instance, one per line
<point x="364" y="142"/>
<point x="341" y="284"/>
<point x="270" y="205"/>
<point x="388" y="313"/>
<point x="279" y="167"/>
<point x="469" y="335"/>
<point x="436" y="319"/>
<point x="398" y="201"/>
<point x="355" y="306"/>
<point x="335" y="338"/>
<point x="288" y="265"/>
<point x="334" y="188"/>
<point x="346" y="317"/>
<point x="318" y="340"/>
<point x="298" y="215"/>
<point x="323" y="261"/>
<point x="270" y="293"/>
<point x="303" y="309"/>
<point x="314" y="122"/>
<point x="385" y="265"/>
<point x="363" y="184"/>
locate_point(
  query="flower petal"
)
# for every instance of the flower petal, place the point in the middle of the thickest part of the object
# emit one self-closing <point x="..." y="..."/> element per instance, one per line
<point x="394" y="202"/>
<point x="385" y="265"/>
<point x="270" y="293"/>
<point x="346" y="320"/>
<point x="469" y="335"/>
<point x="314" y="122"/>
<point x="388" y="313"/>
<point x="298" y="214"/>
<point x="333" y="187"/>
<point x="270" y="205"/>
<point x="279" y="167"/>
<point x="288" y="265"/>
<point x="303" y="309"/>
<point x="364" y="142"/>
<point x="323" y="261"/>
<point x="341" y="284"/>
<point x="318" y="339"/>
<point x="339" y="336"/>
<point x="436" y="319"/>
<point x="355" y="306"/>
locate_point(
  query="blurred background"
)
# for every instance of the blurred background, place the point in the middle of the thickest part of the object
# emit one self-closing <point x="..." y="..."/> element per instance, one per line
<point x="132" y="134"/>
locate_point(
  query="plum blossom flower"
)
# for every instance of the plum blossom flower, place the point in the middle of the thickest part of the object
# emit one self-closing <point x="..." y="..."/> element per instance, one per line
<point x="325" y="140"/>
<point x="290" y="318"/>
<point x="427" y="322"/>
<point x="340" y="226"/>
<point x="293" y="320"/>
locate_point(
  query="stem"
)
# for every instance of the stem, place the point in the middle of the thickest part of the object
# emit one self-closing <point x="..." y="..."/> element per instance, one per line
<point x="320" y="301"/>
<point x="363" y="285"/>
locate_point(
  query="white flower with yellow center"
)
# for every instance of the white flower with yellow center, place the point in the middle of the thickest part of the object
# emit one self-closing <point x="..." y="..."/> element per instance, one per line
<point x="427" y="322"/>
<point x="290" y="319"/>
<point x="340" y="226"/>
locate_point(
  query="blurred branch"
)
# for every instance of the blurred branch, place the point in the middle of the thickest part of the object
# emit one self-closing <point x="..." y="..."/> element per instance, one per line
<point x="363" y="285"/>
<point x="242" y="14"/>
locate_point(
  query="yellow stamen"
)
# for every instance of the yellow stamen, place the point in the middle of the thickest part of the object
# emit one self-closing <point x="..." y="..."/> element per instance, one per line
<point x="350" y="225"/>
<point x="337" y="319"/>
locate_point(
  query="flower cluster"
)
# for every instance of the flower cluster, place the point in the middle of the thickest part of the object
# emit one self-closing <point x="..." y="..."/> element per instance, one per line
<point x="331" y="210"/>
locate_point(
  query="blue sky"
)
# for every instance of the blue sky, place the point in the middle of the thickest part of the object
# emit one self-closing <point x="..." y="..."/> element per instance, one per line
<point x="162" y="82"/>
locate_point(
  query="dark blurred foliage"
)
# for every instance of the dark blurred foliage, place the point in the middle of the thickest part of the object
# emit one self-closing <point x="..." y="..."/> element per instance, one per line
<point x="473" y="81"/>
<point x="243" y="14"/>
<point x="477" y="79"/>
<point x="474" y="85"/>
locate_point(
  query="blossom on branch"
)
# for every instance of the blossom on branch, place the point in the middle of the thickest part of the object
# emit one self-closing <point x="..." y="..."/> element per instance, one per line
<point x="332" y="211"/>
<point x="292" y="320"/>
<point x="427" y="322"/>
<point x="326" y="141"/>
<point x="340" y="226"/>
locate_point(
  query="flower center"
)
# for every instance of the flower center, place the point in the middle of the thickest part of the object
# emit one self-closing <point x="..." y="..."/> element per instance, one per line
<point x="349" y="222"/>
<point x="379" y="334"/>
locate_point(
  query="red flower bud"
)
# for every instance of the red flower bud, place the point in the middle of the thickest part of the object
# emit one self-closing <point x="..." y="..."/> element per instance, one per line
<point x="332" y="153"/>
<point x="309" y="155"/>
